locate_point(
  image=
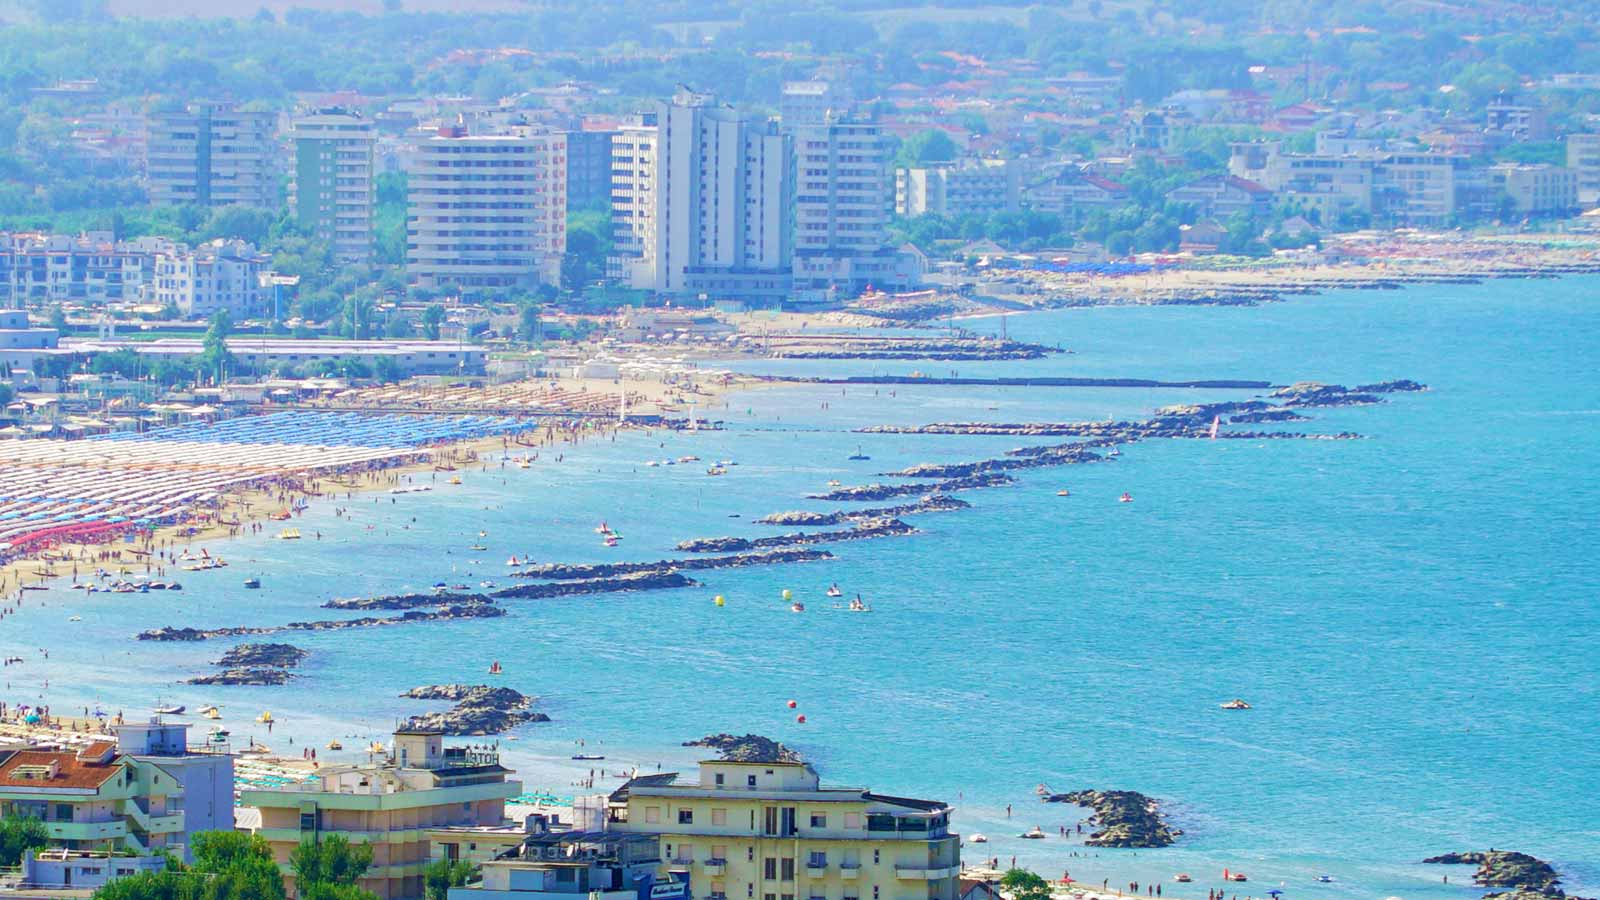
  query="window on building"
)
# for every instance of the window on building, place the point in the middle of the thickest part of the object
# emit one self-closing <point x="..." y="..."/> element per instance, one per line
<point x="652" y="814"/>
<point x="719" y="817"/>
<point x="819" y="820"/>
<point x="817" y="859"/>
<point x="750" y="781"/>
<point x="769" y="868"/>
<point x="721" y="779"/>
<point x="685" y="817"/>
<point x="786" y="869"/>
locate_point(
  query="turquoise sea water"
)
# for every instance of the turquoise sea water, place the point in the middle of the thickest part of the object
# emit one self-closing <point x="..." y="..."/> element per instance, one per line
<point x="1413" y="615"/>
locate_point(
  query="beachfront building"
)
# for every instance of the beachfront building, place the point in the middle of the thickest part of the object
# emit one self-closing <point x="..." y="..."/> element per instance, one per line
<point x="973" y="187"/>
<point x="1535" y="190"/>
<point x="771" y="831"/>
<point x="267" y="355"/>
<point x="1336" y="181"/>
<point x="1583" y="158"/>
<point x="92" y="267"/>
<point x="392" y="805"/>
<point x="701" y="203"/>
<point x="842" y="204"/>
<point x="1075" y="195"/>
<point x="211" y="154"/>
<point x="95" y="798"/>
<point x="1224" y="196"/>
<point x="487" y="211"/>
<point x="203" y="772"/>
<point x="333" y="191"/>
<point x="1430" y="190"/>
<point x="576" y="865"/>
<point x="220" y="275"/>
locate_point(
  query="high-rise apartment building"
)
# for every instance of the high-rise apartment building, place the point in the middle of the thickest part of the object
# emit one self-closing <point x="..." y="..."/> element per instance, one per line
<point x="589" y="169"/>
<point x="211" y="154"/>
<point x="701" y="202"/>
<point x="334" y="186"/>
<point x="487" y="210"/>
<point x="843" y="197"/>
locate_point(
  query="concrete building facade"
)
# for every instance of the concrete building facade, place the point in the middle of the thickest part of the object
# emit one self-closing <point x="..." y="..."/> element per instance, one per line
<point x="1583" y="158"/>
<point x="702" y="202"/>
<point x="212" y="154"/>
<point x="771" y="831"/>
<point x="216" y="276"/>
<point x="487" y="211"/>
<point x="971" y="188"/>
<point x="842" y="203"/>
<point x="1538" y="190"/>
<point x="333" y="192"/>
<point x="391" y="806"/>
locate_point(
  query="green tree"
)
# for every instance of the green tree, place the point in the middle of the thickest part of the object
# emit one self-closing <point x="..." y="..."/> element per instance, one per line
<point x="530" y="328"/>
<point x="332" y="860"/>
<point x="443" y="874"/>
<point x="432" y="318"/>
<point x="7" y="393"/>
<point x="58" y="317"/>
<point x="19" y="834"/>
<point x="924" y="147"/>
<point x="1024" y="885"/>
<point x="215" y="359"/>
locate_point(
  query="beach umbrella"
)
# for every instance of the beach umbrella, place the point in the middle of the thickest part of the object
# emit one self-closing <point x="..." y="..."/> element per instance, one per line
<point x="1274" y="893"/>
<point x="31" y="719"/>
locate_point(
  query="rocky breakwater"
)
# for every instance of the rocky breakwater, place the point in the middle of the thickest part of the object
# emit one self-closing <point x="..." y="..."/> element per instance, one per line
<point x="1527" y="877"/>
<point x="449" y="613"/>
<point x="931" y="503"/>
<point x="406" y="601"/>
<point x="874" y="528"/>
<point x="646" y="580"/>
<point x="254" y="664"/>
<point x="1121" y="818"/>
<point x="886" y="491"/>
<point x="1037" y="457"/>
<point x="952" y="350"/>
<point x="573" y="571"/>
<point x="746" y="748"/>
<point x="479" y="709"/>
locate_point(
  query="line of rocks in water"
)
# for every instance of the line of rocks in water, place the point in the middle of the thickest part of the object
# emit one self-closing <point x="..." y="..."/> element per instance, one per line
<point x="877" y="491"/>
<point x="449" y="613"/>
<point x="648" y="580"/>
<point x="479" y="709"/>
<point x="1033" y="381"/>
<point x="753" y="748"/>
<point x="874" y="528"/>
<point x="1037" y="457"/>
<point x="254" y="664"/>
<point x="1528" y="877"/>
<point x="407" y="601"/>
<point x="568" y="571"/>
<point x="1121" y="818"/>
<point x="931" y="503"/>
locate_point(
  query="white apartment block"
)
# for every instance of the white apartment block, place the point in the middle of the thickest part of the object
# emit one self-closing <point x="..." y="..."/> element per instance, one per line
<point x="1583" y="158"/>
<point x="88" y="268"/>
<point x="701" y="202"/>
<point x="219" y="275"/>
<point x="334" y="187"/>
<point x="211" y="154"/>
<point x="487" y="210"/>
<point x="972" y="188"/>
<point x="1536" y="189"/>
<point x="843" y="198"/>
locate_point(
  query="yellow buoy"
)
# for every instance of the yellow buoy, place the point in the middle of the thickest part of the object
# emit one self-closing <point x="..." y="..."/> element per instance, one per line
<point x="788" y="594"/>
<point x="718" y="600"/>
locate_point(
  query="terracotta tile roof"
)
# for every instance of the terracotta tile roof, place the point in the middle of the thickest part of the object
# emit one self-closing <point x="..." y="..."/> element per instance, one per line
<point x="70" y="771"/>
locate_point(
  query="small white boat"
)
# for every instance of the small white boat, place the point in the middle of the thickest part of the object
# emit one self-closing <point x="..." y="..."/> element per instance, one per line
<point x="797" y="606"/>
<point x="834" y="591"/>
<point x="1235" y="703"/>
<point x="75" y="618"/>
<point x="1183" y="878"/>
<point x="169" y="710"/>
<point x="1325" y="879"/>
<point x="1125" y="498"/>
<point x="978" y="839"/>
<point x="1034" y="834"/>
